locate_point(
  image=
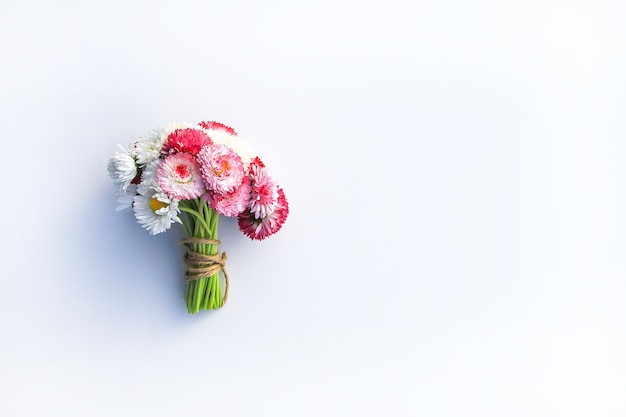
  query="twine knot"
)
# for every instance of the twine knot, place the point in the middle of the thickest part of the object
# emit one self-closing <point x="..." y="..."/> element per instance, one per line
<point x="198" y="265"/>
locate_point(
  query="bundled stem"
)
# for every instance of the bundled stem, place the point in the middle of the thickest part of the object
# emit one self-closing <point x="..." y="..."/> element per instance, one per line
<point x="202" y="261"/>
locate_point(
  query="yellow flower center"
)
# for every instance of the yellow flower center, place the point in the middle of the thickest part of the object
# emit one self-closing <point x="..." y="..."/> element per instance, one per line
<point x="222" y="169"/>
<point x="156" y="204"/>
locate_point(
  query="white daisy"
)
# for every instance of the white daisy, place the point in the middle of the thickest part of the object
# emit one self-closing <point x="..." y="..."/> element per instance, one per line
<point x="122" y="167"/>
<point x="149" y="146"/>
<point x="155" y="211"/>
<point x="148" y="176"/>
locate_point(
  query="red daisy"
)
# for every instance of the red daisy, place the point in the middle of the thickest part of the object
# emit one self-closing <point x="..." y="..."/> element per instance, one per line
<point x="259" y="229"/>
<point x="186" y="140"/>
<point x="264" y="196"/>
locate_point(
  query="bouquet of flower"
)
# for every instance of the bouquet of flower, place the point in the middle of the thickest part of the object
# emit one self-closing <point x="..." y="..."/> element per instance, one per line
<point x="204" y="171"/>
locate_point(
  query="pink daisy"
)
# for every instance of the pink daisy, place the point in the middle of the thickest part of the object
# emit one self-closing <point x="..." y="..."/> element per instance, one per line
<point x="179" y="177"/>
<point x="231" y="204"/>
<point x="221" y="167"/>
<point x="218" y="126"/>
<point x="264" y="196"/>
<point x="185" y="140"/>
<point x="266" y="226"/>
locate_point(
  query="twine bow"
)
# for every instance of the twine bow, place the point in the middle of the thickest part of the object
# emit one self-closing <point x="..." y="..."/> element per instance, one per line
<point x="198" y="265"/>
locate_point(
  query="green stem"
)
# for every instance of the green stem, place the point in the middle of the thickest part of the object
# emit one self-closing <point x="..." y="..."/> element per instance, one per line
<point x="195" y="213"/>
<point x="185" y="226"/>
<point x="201" y="221"/>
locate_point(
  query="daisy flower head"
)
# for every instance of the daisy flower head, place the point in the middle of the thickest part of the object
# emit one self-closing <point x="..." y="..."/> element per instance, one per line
<point x="189" y="140"/>
<point x="221" y="168"/>
<point x="155" y="211"/>
<point x="150" y="145"/>
<point x="122" y="167"/>
<point x="148" y="176"/>
<point x="233" y="203"/>
<point x="225" y="135"/>
<point x="260" y="228"/>
<point x="179" y="177"/>
<point x="264" y="194"/>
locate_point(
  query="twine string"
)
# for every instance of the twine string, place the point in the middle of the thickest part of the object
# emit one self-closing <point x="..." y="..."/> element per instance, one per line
<point x="198" y="265"/>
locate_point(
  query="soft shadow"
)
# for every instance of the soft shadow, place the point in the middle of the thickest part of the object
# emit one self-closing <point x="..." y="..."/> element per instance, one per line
<point x="132" y="275"/>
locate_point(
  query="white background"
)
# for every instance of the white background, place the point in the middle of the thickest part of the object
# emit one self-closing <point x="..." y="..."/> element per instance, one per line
<point x="456" y="177"/>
